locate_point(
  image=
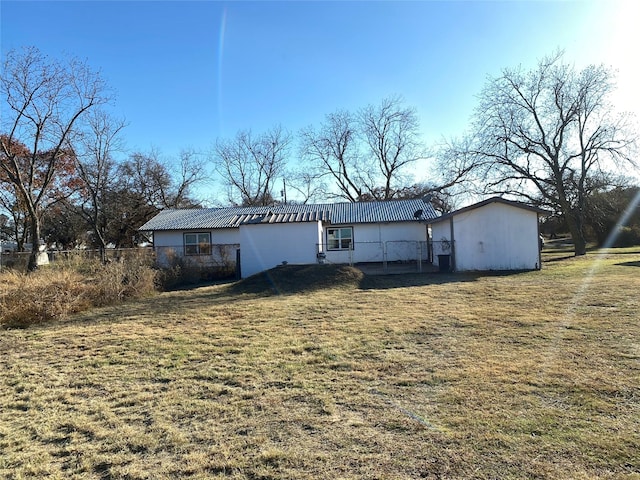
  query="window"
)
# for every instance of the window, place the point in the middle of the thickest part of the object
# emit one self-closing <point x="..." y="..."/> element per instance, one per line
<point x="340" y="238"/>
<point x="197" y="244"/>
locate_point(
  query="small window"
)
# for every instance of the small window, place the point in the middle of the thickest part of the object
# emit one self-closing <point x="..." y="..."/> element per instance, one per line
<point x="340" y="238"/>
<point x="197" y="244"/>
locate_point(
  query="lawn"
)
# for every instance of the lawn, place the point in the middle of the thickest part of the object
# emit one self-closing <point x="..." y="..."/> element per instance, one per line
<point x="325" y="373"/>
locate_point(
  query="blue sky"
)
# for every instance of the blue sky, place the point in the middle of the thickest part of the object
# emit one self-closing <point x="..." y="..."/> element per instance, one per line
<point x="188" y="72"/>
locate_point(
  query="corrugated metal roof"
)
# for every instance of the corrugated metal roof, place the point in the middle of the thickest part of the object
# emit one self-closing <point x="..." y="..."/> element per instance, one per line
<point x="488" y="201"/>
<point x="334" y="213"/>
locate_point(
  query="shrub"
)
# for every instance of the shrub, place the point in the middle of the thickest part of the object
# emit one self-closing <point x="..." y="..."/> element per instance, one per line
<point x="178" y="271"/>
<point x="120" y="280"/>
<point x="41" y="297"/>
<point x="55" y="292"/>
<point x="627" y="236"/>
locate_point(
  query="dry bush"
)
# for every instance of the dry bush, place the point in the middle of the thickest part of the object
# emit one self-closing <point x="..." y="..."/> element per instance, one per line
<point x="120" y="280"/>
<point x="71" y="286"/>
<point x="178" y="270"/>
<point x="41" y="297"/>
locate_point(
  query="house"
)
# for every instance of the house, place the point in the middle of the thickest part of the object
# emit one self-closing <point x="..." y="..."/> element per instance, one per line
<point x="264" y="237"/>
<point x="495" y="234"/>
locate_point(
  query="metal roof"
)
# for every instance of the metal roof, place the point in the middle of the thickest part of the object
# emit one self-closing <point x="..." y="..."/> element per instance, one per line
<point x="488" y="201"/>
<point x="334" y="213"/>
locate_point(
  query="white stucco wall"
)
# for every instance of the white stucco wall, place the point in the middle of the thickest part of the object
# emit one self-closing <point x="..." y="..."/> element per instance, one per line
<point x="492" y="237"/>
<point x="441" y="238"/>
<point x="400" y="240"/>
<point x="264" y="246"/>
<point x="171" y="243"/>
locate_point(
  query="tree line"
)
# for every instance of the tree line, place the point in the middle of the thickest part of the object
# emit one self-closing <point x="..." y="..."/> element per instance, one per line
<point x="546" y="134"/>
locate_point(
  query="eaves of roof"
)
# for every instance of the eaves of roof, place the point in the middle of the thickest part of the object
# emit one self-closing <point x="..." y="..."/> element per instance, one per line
<point x="488" y="201"/>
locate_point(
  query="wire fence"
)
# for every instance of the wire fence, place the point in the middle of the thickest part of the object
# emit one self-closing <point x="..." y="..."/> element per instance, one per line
<point x="222" y="259"/>
<point x="389" y="256"/>
<point x="19" y="260"/>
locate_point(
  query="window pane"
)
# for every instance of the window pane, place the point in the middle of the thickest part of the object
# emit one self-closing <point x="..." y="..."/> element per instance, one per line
<point x="332" y="242"/>
<point x="339" y="238"/>
<point x="197" y="243"/>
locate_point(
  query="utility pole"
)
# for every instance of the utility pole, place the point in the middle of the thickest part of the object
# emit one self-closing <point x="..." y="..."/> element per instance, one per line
<point x="283" y="192"/>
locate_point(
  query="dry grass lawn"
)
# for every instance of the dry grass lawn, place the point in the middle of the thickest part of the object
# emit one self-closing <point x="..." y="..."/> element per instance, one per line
<point x="527" y="375"/>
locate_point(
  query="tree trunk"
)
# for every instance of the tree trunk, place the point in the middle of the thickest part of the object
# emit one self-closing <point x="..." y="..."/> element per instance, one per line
<point x="34" y="228"/>
<point x="577" y="234"/>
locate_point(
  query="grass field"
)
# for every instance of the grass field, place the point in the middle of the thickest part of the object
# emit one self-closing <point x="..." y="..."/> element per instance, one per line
<point x="329" y="374"/>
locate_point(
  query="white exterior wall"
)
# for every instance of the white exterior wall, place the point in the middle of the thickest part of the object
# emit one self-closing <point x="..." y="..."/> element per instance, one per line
<point x="400" y="240"/>
<point x="264" y="246"/>
<point x="169" y="243"/>
<point x="492" y="237"/>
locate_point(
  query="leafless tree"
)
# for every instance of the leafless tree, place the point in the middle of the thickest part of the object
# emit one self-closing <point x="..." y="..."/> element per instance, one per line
<point x="391" y="134"/>
<point x="44" y="99"/>
<point x="250" y="165"/>
<point x="332" y="151"/>
<point x="96" y="169"/>
<point x="145" y="185"/>
<point x="545" y="132"/>
<point x="305" y="184"/>
<point x="365" y="155"/>
<point x="162" y="184"/>
<point x="187" y="173"/>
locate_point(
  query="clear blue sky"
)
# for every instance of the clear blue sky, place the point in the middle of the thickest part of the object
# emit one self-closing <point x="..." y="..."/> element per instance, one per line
<point x="188" y="72"/>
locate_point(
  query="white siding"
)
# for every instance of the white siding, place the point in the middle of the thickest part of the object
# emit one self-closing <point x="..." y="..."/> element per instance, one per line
<point x="171" y="243"/>
<point x="441" y="236"/>
<point x="400" y="241"/>
<point x="492" y="237"/>
<point x="264" y="246"/>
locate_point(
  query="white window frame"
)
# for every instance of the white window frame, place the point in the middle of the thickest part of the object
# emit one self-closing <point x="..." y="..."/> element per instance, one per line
<point x="200" y="245"/>
<point x="343" y="242"/>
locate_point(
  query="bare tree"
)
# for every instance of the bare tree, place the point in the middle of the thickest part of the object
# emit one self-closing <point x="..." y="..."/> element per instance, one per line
<point x="45" y="99"/>
<point x="306" y="185"/>
<point x="161" y="184"/>
<point x="365" y="155"/>
<point x="250" y="165"/>
<point x="146" y="185"/>
<point x="545" y="132"/>
<point x="186" y="173"/>
<point x="96" y="169"/>
<point x="391" y="133"/>
<point x="333" y="151"/>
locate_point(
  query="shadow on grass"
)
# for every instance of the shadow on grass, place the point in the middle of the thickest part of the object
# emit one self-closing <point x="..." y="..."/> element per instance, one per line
<point x="295" y="279"/>
<point x="557" y="259"/>
<point x="628" y="264"/>
<point x="283" y="280"/>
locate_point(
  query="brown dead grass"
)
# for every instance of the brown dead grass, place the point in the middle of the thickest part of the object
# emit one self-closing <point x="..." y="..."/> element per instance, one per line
<point x="55" y="292"/>
<point x="529" y="375"/>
